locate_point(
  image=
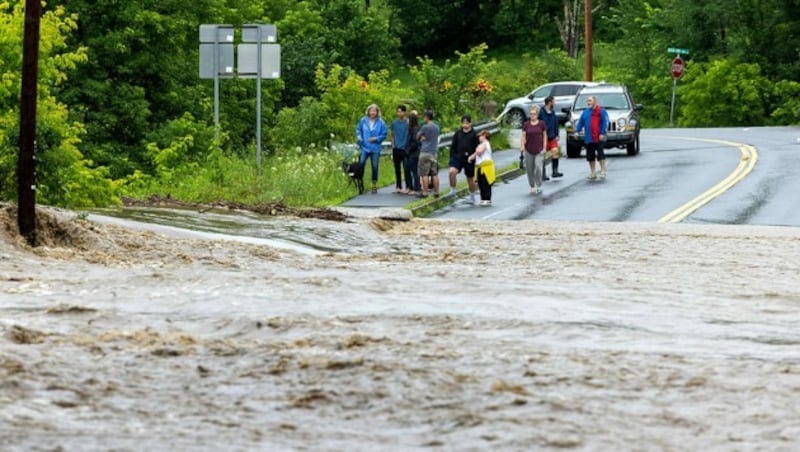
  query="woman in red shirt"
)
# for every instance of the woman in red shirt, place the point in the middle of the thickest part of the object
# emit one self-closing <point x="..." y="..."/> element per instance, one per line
<point x="532" y="141"/>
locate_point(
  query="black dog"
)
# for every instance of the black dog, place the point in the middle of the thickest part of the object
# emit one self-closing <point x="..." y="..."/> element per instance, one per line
<point x="356" y="174"/>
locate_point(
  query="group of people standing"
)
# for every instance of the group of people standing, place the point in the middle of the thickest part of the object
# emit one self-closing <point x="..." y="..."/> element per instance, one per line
<point x="415" y="149"/>
<point x="415" y="152"/>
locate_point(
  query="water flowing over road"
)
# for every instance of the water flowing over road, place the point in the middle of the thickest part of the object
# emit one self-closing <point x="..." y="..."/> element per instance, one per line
<point x="398" y="335"/>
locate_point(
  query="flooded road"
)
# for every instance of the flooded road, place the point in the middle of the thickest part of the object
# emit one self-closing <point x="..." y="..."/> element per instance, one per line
<point x="412" y="335"/>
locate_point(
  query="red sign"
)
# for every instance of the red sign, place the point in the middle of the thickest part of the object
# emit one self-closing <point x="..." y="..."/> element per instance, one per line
<point x="677" y="67"/>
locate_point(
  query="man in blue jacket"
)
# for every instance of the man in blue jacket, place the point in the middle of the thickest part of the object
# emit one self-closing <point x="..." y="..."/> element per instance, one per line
<point x="594" y="123"/>
<point x="549" y="117"/>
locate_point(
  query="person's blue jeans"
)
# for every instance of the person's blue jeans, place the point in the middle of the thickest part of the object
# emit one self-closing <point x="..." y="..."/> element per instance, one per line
<point x="374" y="160"/>
<point x="412" y="167"/>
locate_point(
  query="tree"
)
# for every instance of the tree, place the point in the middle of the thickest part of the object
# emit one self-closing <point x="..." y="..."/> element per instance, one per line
<point x="64" y="176"/>
<point x="571" y="26"/>
<point x="728" y="93"/>
<point x="141" y="72"/>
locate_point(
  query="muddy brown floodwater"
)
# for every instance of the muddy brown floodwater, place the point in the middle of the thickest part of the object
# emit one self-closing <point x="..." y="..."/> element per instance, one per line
<point x="434" y="335"/>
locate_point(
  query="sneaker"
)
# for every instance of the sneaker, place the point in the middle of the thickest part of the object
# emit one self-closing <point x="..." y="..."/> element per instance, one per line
<point x="422" y="195"/>
<point x="602" y="175"/>
<point x="471" y="198"/>
<point x="558" y="174"/>
<point x="485" y="202"/>
<point x="539" y="191"/>
<point x="545" y="178"/>
<point x="592" y="177"/>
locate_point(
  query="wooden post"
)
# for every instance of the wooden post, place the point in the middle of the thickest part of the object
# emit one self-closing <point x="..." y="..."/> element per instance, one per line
<point x="26" y="170"/>
<point x="587" y="21"/>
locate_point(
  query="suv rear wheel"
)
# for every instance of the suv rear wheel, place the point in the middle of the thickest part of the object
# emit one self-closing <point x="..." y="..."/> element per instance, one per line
<point x="514" y="118"/>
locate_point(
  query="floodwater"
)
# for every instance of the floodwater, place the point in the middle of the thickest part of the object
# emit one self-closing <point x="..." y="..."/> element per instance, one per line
<point x="399" y="335"/>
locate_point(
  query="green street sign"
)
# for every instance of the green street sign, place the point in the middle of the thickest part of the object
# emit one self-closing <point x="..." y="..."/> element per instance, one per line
<point x="678" y="51"/>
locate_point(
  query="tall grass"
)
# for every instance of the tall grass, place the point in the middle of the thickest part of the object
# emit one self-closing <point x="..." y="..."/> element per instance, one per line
<point x="312" y="178"/>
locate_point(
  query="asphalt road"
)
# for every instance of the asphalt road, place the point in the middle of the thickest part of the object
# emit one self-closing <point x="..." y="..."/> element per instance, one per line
<point x="719" y="176"/>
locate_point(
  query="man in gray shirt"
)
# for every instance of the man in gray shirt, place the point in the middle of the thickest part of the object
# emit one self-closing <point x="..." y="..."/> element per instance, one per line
<point x="429" y="155"/>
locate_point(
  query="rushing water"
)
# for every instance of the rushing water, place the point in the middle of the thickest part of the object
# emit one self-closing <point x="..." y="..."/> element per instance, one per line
<point x="370" y="335"/>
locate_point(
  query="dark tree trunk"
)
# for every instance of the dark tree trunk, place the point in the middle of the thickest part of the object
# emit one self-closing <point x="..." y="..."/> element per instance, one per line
<point x="569" y="27"/>
<point x="26" y="175"/>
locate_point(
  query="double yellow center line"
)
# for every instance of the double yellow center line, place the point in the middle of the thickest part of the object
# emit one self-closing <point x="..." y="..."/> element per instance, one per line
<point x="745" y="166"/>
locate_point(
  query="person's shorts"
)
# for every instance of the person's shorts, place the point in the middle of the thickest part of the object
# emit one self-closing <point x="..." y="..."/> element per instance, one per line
<point x="595" y="148"/>
<point x="428" y="166"/>
<point x="468" y="167"/>
<point x="552" y="146"/>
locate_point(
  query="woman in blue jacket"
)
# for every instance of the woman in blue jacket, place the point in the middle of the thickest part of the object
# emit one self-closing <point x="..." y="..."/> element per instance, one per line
<point x="370" y="133"/>
<point x="594" y="122"/>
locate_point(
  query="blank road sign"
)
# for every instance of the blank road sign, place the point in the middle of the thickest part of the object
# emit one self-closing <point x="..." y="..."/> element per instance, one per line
<point x="216" y="33"/>
<point x="269" y="33"/>
<point x="224" y="64"/>
<point x="270" y="60"/>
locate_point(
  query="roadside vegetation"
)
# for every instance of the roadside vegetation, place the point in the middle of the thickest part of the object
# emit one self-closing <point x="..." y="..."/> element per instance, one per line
<point x="122" y="112"/>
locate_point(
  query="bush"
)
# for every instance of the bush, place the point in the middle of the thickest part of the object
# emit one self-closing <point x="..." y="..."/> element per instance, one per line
<point x="333" y="117"/>
<point x="453" y="89"/>
<point x="724" y="93"/>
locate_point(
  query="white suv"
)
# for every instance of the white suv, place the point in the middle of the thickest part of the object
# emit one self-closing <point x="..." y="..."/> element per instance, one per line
<point x="517" y="111"/>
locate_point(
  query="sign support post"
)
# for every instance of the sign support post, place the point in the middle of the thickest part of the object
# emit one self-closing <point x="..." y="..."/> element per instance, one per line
<point x="672" y="105"/>
<point x="216" y="59"/>
<point x="267" y="62"/>
<point x="678" y="66"/>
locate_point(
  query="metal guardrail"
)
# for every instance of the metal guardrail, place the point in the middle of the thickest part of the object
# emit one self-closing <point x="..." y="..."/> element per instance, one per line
<point x="447" y="138"/>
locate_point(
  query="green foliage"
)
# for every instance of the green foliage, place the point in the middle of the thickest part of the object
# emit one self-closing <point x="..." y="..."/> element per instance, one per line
<point x="727" y="92"/>
<point x="518" y="22"/>
<point x="303" y="46"/>
<point x="785" y="99"/>
<point x="199" y="137"/>
<point x="330" y="32"/>
<point x="724" y="93"/>
<point x="438" y="28"/>
<point x="137" y="106"/>
<point x="64" y="177"/>
<point x="333" y="117"/>
<point x="640" y="40"/>
<point x="310" y="177"/>
<point x="360" y="36"/>
<point x="301" y="125"/>
<point x="450" y="89"/>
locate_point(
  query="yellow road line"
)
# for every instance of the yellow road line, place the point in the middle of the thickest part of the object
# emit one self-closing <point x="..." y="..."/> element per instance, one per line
<point x="745" y="166"/>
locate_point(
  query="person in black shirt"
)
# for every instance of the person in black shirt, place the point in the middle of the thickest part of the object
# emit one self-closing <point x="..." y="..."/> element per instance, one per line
<point x="465" y="140"/>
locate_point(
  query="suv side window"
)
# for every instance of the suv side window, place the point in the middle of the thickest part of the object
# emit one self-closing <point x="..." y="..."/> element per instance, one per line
<point x="565" y="90"/>
<point x="542" y="92"/>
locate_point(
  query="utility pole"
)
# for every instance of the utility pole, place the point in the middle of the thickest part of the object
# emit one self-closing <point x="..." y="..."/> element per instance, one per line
<point x="26" y="169"/>
<point x="587" y="32"/>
